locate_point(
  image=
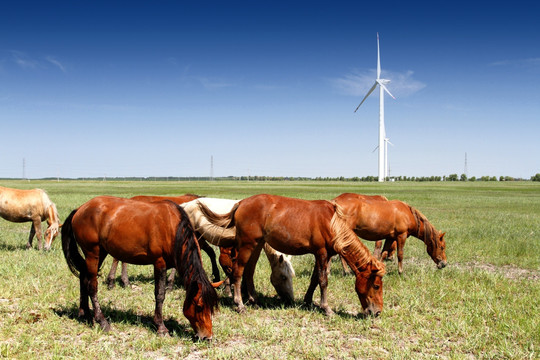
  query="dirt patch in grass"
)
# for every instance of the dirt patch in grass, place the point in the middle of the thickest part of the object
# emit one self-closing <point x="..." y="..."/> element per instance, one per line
<point x="508" y="271"/>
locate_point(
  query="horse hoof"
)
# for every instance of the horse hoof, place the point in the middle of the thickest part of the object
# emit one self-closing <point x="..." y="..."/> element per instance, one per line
<point x="328" y="311"/>
<point x="163" y="332"/>
<point x="105" y="326"/>
<point x="241" y="310"/>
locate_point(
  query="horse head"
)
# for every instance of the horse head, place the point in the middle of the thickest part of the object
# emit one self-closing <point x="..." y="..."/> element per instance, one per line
<point x="199" y="307"/>
<point x="51" y="233"/>
<point x="436" y="249"/>
<point x="369" y="287"/>
<point x="281" y="277"/>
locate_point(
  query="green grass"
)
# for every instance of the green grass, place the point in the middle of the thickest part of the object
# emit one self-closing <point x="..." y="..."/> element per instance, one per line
<point x="485" y="304"/>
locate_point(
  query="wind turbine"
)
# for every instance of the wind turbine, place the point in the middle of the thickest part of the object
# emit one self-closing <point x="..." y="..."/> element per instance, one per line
<point x="386" y="142"/>
<point x="382" y="89"/>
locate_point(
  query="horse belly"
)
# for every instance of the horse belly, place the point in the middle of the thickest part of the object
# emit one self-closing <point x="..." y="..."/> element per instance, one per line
<point x="288" y="242"/>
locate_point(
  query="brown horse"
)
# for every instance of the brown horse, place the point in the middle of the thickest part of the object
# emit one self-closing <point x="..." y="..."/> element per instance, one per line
<point x="376" y="218"/>
<point x="296" y="227"/>
<point x="139" y="233"/>
<point x="30" y="205"/>
<point x="203" y="245"/>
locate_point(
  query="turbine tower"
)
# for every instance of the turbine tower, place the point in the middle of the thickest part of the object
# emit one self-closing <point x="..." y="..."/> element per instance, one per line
<point x="386" y="142"/>
<point x="382" y="133"/>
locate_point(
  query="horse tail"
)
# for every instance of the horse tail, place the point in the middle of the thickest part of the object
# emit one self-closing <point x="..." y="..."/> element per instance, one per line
<point x="188" y="262"/>
<point x="75" y="261"/>
<point x="224" y="221"/>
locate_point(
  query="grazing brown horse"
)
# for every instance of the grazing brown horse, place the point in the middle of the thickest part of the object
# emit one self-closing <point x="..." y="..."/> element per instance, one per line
<point x="376" y="218"/>
<point x="170" y="281"/>
<point x="139" y="233"/>
<point x="297" y="227"/>
<point x="30" y="205"/>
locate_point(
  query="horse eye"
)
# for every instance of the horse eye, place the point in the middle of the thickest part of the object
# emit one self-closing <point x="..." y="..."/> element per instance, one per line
<point x="283" y="277"/>
<point x="376" y="287"/>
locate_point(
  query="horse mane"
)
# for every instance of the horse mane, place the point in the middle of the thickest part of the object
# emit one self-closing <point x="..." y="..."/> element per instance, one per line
<point x="428" y="230"/>
<point x="188" y="262"/>
<point x="347" y="244"/>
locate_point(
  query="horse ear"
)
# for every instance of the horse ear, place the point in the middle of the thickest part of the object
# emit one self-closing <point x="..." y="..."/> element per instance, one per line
<point x="281" y="259"/>
<point x="444" y="233"/>
<point x="217" y="284"/>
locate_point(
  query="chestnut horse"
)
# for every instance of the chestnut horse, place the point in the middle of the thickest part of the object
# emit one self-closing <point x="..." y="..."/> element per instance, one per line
<point x="139" y="233"/>
<point x="170" y="281"/>
<point x="297" y="227"/>
<point x="30" y="205"/>
<point x="376" y="218"/>
<point x="282" y="269"/>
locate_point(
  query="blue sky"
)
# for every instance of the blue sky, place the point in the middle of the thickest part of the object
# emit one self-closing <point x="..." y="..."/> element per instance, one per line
<point x="115" y="89"/>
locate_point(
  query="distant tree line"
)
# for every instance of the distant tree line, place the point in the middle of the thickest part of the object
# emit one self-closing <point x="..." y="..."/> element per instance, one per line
<point x="451" y="177"/>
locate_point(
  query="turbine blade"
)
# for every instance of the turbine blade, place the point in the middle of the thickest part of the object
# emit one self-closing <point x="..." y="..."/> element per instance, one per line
<point x="378" y="59"/>
<point x="375" y="149"/>
<point x="365" y="97"/>
<point x="385" y="89"/>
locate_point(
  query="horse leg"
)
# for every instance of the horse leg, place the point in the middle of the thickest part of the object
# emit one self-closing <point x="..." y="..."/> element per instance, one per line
<point x="84" y="309"/>
<point x="160" y="278"/>
<point x="31" y="237"/>
<point x="346" y="269"/>
<point x="170" y="280"/>
<point x="308" y="298"/>
<point x="39" y="235"/>
<point x="112" y="274"/>
<point x="377" y="250"/>
<point x="244" y="254"/>
<point x="249" y="271"/>
<point x="400" y="245"/>
<point x="227" y="257"/>
<point x="92" y="267"/>
<point x="124" y="276"/>
<point x="323" y="281"/>
<point x="388" y="249"/>
<point x="392" y="251"/>
<point x="207" y="248"/>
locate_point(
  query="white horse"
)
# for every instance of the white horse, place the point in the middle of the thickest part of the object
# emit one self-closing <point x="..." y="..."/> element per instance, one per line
<point x="282" y="270"/>
<point x="30" y="205"/>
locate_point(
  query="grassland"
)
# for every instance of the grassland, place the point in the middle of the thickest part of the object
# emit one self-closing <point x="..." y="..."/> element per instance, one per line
<point x="484" y="305"/>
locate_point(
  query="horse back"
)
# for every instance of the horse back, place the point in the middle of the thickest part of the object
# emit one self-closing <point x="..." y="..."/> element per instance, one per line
<point x="376" y="220"/>
<point x="292" y="226"/>
<point x="132" y="231"/>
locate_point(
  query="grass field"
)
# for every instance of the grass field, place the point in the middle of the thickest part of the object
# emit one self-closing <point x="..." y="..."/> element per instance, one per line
<point x="484" y="305"/>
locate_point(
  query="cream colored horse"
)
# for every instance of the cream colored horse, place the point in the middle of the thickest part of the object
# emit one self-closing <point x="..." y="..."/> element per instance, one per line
<point x="282" y="270"/>
<point x="30" y="205"/>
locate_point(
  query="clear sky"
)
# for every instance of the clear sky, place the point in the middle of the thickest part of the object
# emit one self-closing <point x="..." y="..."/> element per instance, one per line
<point x="156" y="88"/>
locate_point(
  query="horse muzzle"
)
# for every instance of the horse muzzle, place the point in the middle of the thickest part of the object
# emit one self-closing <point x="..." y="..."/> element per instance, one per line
<point x="441" y="264"/>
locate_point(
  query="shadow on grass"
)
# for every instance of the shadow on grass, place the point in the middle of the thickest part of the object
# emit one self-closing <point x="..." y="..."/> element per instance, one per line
<point x="129" y="317"/>
<point x="274" y="302"/>
<point x="11" y="247"/>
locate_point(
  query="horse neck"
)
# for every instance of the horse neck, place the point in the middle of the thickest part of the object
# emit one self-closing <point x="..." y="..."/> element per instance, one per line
<point x="271" y="254"/>
<point x="189" y="263"/>
<point x="274" y="256"/>
<point x="423" y="229"/>
<point x="347" y="244"/>
<point x="53" y="214"/>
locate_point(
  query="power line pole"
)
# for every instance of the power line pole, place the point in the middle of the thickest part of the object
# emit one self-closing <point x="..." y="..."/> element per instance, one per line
<point x="465" y="169"/>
